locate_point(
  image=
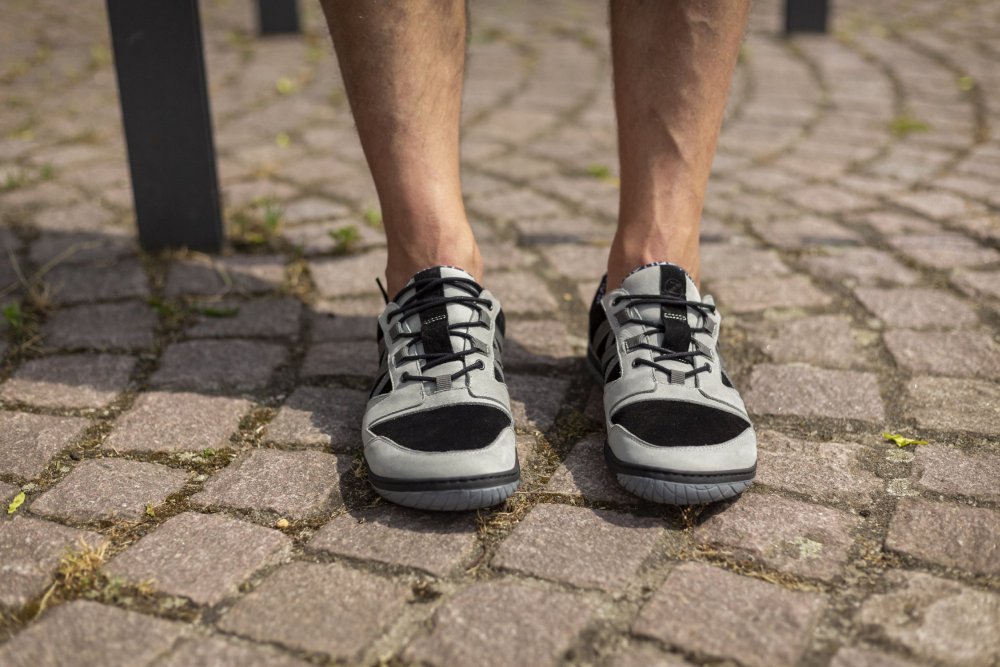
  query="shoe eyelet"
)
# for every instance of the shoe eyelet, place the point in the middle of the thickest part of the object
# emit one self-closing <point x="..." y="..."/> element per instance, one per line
<point x="634" y="365"/>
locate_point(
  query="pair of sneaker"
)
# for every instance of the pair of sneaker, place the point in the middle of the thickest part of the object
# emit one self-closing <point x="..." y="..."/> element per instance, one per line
<point x="438" y="431"/>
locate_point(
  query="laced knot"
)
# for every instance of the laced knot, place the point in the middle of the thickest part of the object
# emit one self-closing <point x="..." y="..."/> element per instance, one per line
<point x="418" y="304"/>
<point x="641" y="342"/>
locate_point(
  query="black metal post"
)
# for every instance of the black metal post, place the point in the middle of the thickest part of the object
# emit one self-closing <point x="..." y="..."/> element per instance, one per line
<point x="277" y="17"/>
<point x="168" y="126"/>
<point x="806" y="16"/>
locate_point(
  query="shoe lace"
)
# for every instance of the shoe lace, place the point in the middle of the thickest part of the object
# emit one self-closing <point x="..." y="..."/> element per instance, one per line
<point x="641" y="342"/>
<point x="416" y="305"/>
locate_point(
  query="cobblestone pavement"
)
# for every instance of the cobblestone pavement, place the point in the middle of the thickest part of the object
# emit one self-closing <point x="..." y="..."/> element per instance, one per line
<point x="184" y="429"/>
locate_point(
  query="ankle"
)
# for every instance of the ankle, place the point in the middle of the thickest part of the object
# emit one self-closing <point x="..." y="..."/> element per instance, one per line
<point x="405" y="260"/>
<point x="626" y="257"/>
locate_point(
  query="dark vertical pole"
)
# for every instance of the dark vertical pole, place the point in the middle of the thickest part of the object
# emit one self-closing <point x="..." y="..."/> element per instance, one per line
<point x="277" y="17"/>
<point x="168" y="127"/>
<point x="806" y="16"/>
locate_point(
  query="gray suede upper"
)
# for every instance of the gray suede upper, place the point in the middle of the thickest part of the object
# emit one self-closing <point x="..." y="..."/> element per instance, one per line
<point x="395" y="460"/>
<point x="643" y="383"/>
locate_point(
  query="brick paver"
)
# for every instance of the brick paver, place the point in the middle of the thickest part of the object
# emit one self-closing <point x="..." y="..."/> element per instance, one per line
<point x="319" y="416"/>
<point x="77" y="381"/>
<point x="951" y="471"/>
<point x="850" y="236"/>
<point x="32" y="549"/>
<point x="209" y="365"/>
<point x="218" y="652"/>
<point x="512" y="623"/>
<point x="788" y="535"/>
<point x="177" y="422"/>
<point x="805" y="391"/>
<point x="91" y="634"/>
<point x="269" y="317"/>
<point x="28" y="441"/>
<point x="296" y="607"/>
<point x="293" y="484"/>
<point x="204" y="557"/>
<point x="818" y="470"/>
<point x="752" y="621"/>
<point x="106" y="489"/>
<point x="934" y="617"/>
<point x="946" y="534"/>
<point x="579" y="546"/>
<point x="102" y="327"/>
<point x="399" y="536"/>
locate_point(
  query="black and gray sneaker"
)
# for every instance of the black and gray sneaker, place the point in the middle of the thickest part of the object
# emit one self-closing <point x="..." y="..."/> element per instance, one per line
<point x="438" y="432"/>
<point x="678" y="431"/>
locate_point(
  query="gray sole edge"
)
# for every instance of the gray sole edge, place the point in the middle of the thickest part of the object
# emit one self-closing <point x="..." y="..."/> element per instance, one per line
<point x="455" y="500"/>
<point x="676" y="493"/>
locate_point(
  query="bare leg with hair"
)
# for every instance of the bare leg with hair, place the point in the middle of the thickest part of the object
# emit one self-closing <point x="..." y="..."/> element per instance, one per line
<point x="673" y="65"/>
<point x="403" y="64"/>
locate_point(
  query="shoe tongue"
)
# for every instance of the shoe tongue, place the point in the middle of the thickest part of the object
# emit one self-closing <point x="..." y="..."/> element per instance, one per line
<point x="672" y="281"/>
<point x="662" y="278"/>
<point x="433" y="322"/>
<point x="434" y="273"/>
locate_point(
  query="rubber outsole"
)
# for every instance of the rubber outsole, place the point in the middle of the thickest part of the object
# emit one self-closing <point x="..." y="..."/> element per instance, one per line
<point x="676" y="493"/>
<point x="450" y="494"/>
<point x="455" y="500"/>
<point x="670" y="487"/>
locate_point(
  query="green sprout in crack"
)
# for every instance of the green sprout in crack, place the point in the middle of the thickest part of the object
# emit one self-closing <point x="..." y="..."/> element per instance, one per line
<point x="345" y="239"/>
<point x="372" y="217"/>
<point x="13" y="181"/>
<point x="208" y="453"/>
<point x="904" y="124"/>
<point x="14" y="317"/>
<point x="600" y="171"/>
<point x="216" y="311"/>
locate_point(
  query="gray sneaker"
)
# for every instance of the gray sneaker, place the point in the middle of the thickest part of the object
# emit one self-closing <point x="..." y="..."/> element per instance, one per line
<point x="438" y="432"/>
<point x="678" y="431"/>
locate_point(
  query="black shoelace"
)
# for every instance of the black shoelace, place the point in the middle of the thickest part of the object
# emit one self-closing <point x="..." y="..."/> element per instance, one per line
<point x="657" y="327"/>
<point x="417" y="305"/>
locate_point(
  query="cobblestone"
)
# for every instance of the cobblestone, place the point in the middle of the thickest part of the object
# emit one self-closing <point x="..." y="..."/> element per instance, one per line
<point x="110" y="489"/>
<point x="177" y="422"/>
<point x="320" y="417"/>
<point x="585" y="473"/>
<point x="31" y="550"/>
<point x="859" y="266"/>
<point x="917" y="308"/>
<point x="266" y="318"/>
<point x="950" y="471"/>
<point x="101" y="327"/>
<point x="218" y="652"/>
<point x="945" y="534"/>
<point x="208" y="276"/>
<point x="397" y="536"/>
<point x="512" y="623"/>
<point x="534" y="400"/>
<point x="91" y="634"/>
<point x="819" y="470"/>
<point x="294" y="607"/>
<point x="788" y="535"/>
<point x="813" y="392"/>
<point x="203" y="557"/>
<point x="794" y="340"/>
<point x="954" y="353"/>
<point x="77" y="381"/>
<point x="931" y="617"/>
<point x="765" y="293"/>
<point x="953" y="404"/>
<point x="757" y="623"/>
<point x="341" y="358"/>
<point x="209" y="365"/>
<point x="69" y="284"/>
<point x="579" y="546"/>
<point x="292" y="484"/>
<point x="28" y="442"/>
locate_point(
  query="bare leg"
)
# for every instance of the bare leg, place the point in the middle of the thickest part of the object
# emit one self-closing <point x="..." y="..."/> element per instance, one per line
<point x="673" y="65"/>
<point x="403" y="64"/>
